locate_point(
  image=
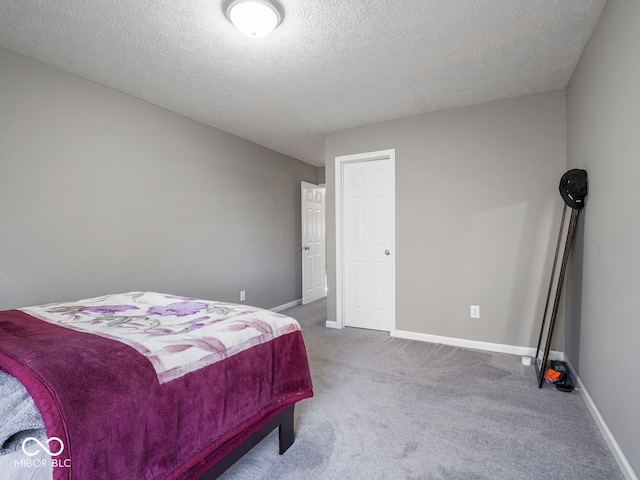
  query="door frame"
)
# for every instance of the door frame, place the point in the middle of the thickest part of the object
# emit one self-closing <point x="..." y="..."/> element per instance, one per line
<point x="390" y="155"/>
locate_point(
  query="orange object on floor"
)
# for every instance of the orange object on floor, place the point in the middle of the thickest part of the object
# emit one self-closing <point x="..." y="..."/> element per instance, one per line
<point x="552" y="375"/>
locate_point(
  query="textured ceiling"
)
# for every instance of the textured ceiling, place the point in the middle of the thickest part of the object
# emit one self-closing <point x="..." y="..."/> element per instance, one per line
<point x="330" y="65"/>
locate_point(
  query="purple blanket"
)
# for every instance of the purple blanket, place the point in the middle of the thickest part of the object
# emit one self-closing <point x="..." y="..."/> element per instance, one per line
<point x="104" y="401"/>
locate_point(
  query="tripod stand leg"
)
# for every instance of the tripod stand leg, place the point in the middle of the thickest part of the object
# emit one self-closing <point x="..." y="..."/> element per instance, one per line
<point x="553" y="271"/>
<point x="565" y="259"/>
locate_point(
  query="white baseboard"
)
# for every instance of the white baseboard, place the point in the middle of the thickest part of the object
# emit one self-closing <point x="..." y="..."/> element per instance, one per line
<point x="616" y="451"/>
<point x="487" y="346"/>
<point x="330" y="324"/>
<point x="287" y="305"/>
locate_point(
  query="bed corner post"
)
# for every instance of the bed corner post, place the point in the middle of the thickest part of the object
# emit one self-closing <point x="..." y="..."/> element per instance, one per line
<point x="286" y="434"/>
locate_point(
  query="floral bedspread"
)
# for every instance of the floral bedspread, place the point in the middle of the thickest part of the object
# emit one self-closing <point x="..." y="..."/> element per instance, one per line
<point x="177" y="334"/>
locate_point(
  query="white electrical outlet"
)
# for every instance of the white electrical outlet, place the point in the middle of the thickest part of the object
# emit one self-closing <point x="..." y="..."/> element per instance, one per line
<point x="475" y="311"/>
<point x="242" y="295"/>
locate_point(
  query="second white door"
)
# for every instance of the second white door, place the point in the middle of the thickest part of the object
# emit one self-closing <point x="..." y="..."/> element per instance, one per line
<point x="369" y="244"/>
<point x="314" y="271"/>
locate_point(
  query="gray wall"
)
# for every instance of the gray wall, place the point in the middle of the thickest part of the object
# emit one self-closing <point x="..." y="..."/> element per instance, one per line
<point x="101" y="192"/>
<point x="477" y="215"/>
<point x="603" y="109"/>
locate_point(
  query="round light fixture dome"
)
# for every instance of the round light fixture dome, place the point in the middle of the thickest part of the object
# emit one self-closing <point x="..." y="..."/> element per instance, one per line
<point x="254" y="18"/>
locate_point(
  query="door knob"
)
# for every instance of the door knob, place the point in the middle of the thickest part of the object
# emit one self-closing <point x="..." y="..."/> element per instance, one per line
<point x="386" y="252"/>
<point x="304" y="248"/>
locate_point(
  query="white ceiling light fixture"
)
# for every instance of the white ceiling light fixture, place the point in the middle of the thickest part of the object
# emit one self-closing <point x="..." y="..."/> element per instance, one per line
<point x="254" y="18"/>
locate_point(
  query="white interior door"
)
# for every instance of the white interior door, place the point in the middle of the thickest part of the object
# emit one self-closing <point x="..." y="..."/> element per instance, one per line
<point x="314" y="271"/>
<point x="368" y="226"/>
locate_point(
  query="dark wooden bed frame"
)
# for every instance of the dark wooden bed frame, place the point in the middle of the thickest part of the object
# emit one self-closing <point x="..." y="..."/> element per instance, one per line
<point x="286" y="435"/>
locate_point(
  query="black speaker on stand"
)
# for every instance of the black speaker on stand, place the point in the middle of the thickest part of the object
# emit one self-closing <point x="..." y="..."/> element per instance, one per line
<point x="573" y="189"/>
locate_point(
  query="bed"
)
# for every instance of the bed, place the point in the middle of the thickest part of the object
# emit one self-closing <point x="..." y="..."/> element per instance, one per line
<point x="145" y="385"/>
